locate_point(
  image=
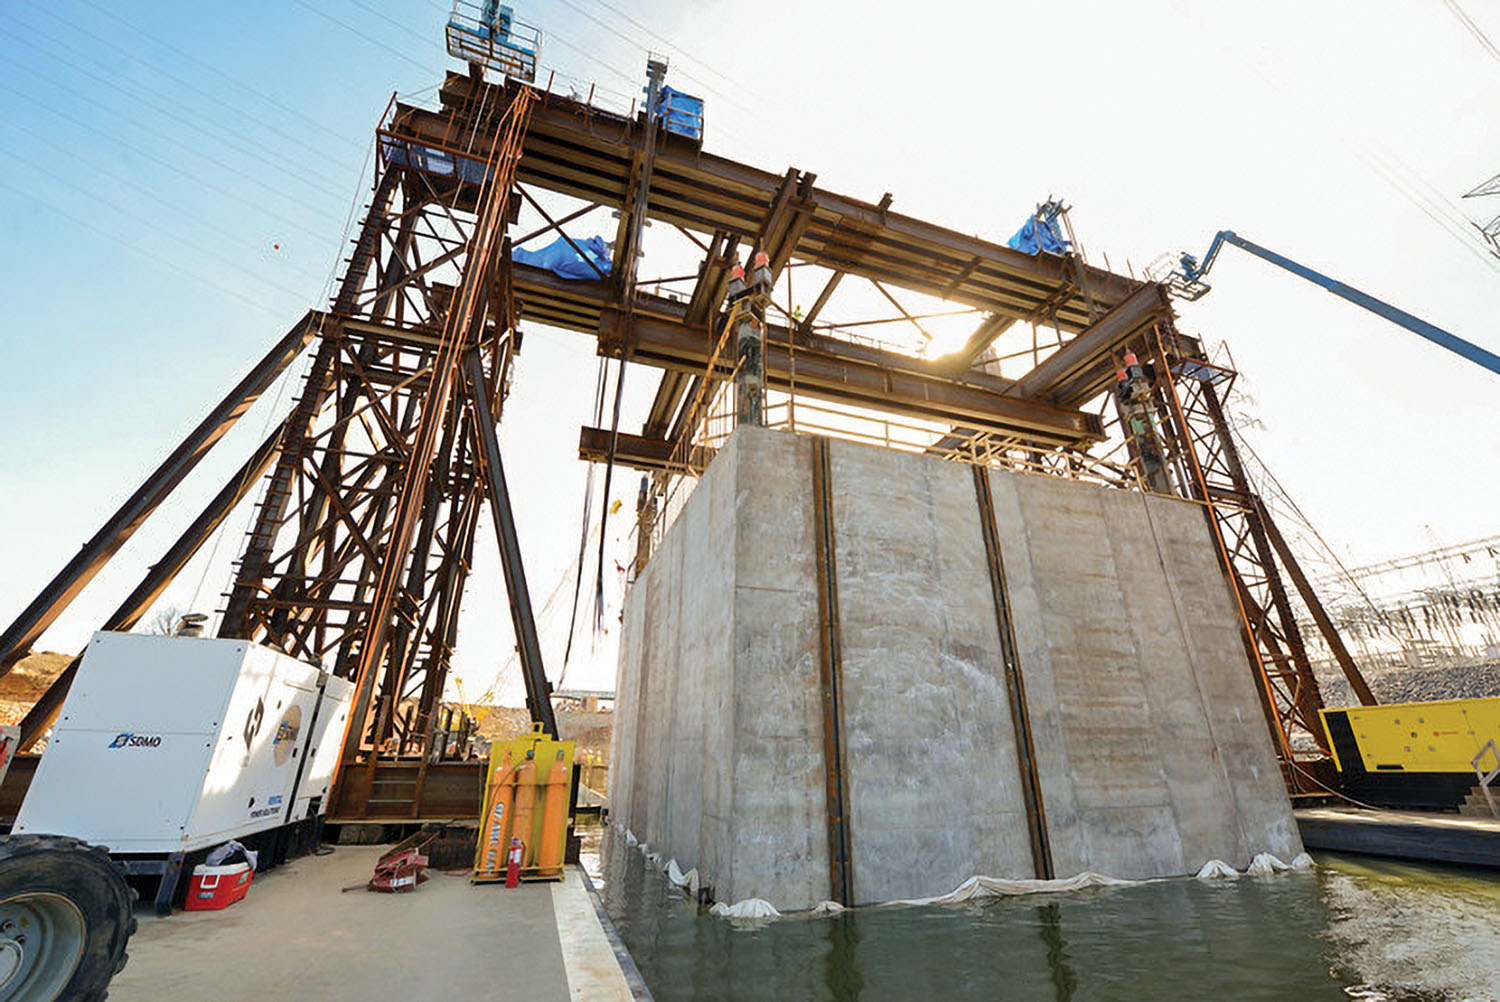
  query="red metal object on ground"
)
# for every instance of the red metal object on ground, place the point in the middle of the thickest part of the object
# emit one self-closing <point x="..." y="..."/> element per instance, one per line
<point x="513" y="864"/>
<point x="398" y="872"/>
<point x="214" y="887"/>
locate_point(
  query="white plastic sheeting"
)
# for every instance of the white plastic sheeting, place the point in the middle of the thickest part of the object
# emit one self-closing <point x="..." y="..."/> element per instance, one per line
<point x="750" y="908"/>
<point x="687" y="881"/>
<point x="1264" y="863"/>
<point x="760" y="910"/>
<point x="990" y="887"/>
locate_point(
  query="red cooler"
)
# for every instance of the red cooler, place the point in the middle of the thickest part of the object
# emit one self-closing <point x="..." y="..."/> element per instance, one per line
<point x="218" y="886"/>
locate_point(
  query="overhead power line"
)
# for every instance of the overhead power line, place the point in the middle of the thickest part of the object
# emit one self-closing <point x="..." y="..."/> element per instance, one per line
<point x="424" y="67"/>
<point x="161" y="107"/>
<point x="633" y="42"/>
<point x="1473" y="29"/>
<point x="138" y="248"/>
<point x="710" y="67"/>
<point x="75" y="29"/>
<point x="155" y="197"/>
<point x="321" y="126"/>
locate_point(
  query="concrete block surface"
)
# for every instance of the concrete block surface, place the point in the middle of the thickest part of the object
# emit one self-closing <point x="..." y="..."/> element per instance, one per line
<point x="1151" y="750"/>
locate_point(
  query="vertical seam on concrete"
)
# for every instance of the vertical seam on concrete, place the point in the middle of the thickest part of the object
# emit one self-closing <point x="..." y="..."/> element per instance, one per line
<point x="1015" y="683"/>
<point x="830" y="676"/>
<point x="725" y="806"/>
<point x="637" y="817"/>
<point x="1191" y="650"/>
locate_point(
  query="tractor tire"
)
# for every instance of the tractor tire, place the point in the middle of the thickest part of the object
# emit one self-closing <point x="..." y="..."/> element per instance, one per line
<point x="65" y="917"/>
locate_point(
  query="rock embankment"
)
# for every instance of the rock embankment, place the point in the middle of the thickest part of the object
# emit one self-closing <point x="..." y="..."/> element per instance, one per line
<point x="1411" y="685"/>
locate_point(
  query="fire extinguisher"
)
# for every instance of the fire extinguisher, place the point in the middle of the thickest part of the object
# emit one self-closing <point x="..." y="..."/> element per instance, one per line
<point x="513" y="863"/>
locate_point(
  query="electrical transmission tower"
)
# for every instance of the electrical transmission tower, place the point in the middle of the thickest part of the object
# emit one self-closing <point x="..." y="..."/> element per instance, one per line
<point x="1490" y="230"/>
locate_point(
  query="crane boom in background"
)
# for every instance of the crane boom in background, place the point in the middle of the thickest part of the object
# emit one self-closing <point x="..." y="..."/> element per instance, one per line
<point x="1188" y="282"/>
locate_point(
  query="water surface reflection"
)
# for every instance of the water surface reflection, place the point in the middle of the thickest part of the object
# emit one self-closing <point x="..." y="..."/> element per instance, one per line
<point x="1378" y="931"/>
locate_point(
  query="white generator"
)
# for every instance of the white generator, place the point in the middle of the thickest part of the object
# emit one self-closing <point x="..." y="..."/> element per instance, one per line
<point x="172" y="744"/>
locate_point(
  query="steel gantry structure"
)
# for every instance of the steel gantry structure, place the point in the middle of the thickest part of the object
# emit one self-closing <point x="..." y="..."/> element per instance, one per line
<point x="368" y="491"/>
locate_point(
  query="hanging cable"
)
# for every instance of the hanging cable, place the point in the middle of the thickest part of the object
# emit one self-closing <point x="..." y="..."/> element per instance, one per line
<point x="588" y="501"/>
<point x="609" y="472"/>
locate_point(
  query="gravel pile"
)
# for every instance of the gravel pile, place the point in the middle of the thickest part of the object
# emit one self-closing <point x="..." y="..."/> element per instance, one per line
<point x="1412" y="685"/>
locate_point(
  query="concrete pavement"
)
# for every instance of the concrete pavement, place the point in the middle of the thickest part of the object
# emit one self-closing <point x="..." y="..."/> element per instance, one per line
<point x="298" y="936"/>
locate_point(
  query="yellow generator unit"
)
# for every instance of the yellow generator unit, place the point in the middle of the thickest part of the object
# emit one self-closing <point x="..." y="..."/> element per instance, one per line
<point x="1422" y="756"/>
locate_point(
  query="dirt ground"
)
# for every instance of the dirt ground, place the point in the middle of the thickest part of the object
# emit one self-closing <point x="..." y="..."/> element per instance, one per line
<point x="591" y="731"/>
<point x="24" y="684"/>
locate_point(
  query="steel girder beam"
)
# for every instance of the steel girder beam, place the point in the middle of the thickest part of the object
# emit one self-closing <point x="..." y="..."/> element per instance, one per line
<point x="806" y="324"/>
<point x="713" y="277"/>
<point x="1084" y="367"/>
<point x="787" y="219"/>
<point x="587" y="153"/>
<point x="666" y="401"/>
<point x="790" y="212"/>
<point x="792" y="208"/>
<point x="16" y="642"/>
<point x="650" y="454"/>
<point x="990" y="328"/>
<point x="867" y="377"/>
<point x="827" y="367"/>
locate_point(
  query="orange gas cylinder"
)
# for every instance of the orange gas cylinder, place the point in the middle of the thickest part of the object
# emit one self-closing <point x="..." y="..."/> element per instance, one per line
<point x="521" y="820"/>
<point x="492" y="840"/>
<point x="549" y="858"/>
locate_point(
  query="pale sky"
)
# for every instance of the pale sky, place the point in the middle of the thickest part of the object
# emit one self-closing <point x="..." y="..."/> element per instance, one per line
<point x="153" y="155"/>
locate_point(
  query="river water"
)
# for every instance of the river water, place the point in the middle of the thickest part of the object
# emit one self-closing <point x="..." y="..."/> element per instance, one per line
<point x="1353" y="927"/>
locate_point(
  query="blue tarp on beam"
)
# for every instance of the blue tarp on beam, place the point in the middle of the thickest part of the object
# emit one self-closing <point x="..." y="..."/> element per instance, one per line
<point x="683" y="112"/>
<point x="1034" y="238"/>
<point x="562" y="260"/>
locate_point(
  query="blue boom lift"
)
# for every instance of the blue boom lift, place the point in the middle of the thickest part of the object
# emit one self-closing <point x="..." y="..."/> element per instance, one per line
<point x="1189" y="284"/>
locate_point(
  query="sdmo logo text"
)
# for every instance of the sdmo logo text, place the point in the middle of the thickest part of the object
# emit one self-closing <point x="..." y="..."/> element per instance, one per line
<point x="128" y="739"/>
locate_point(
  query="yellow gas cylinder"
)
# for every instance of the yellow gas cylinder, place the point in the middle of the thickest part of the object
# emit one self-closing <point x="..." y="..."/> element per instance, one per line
<point x="549" y="860"/>
<point x="492" y="840"/>
<point x="521" y="820"/>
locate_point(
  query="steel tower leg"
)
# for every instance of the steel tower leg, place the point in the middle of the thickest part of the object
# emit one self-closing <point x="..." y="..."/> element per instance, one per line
<point x="43" y="611"/>
<point x="538" y="689"/>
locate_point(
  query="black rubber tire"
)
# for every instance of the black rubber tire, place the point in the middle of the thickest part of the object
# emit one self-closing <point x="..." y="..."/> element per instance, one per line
<point x="94" y="883"/>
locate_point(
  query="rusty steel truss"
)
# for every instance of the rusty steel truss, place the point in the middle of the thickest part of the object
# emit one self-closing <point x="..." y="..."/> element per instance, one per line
<point x="368" y="492"/>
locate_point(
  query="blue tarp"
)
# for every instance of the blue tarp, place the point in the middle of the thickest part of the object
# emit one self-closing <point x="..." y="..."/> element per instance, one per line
<point x="683" y="112"/>
<point x="1034" y="238"/>
<point x="562" y="260"/>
